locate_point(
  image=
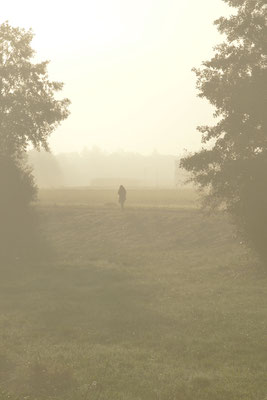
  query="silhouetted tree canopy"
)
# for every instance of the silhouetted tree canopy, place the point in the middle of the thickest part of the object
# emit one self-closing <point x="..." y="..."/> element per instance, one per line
<point x="29" y="113"/>
<point x="233" y="168"/>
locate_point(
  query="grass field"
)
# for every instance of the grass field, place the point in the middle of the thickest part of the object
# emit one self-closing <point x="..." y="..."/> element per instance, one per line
<point x="158" y="302"/>
<point x="96" y="197"/>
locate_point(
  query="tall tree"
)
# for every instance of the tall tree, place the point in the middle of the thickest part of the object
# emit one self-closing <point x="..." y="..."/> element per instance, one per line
<point x="233" y="167"/>
<point x="29" y="113"/>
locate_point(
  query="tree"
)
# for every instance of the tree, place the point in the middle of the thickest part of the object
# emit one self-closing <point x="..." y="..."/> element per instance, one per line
<point x="29" y="113"/>
<point x="232" y="170"/>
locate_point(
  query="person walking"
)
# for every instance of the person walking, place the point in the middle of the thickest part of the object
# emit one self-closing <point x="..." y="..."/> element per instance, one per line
<point x="122" y="196"/>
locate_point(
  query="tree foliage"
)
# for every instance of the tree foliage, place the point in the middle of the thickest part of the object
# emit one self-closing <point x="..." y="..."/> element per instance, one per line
<point x="233" y="167"/>
<point x="29" y="113"/>
<point x="18" y="229"/>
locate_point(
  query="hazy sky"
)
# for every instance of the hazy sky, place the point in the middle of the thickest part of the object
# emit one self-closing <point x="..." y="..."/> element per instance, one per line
<point x="126" y="65"/>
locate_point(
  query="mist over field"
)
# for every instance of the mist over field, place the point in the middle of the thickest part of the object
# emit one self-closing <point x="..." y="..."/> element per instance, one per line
<point x="98" y="168"/>
<point x="133" y="212"/>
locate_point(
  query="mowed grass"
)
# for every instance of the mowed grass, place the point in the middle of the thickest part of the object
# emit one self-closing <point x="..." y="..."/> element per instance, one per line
<point x="97" y="197"/>
<point x="145" y="304"/>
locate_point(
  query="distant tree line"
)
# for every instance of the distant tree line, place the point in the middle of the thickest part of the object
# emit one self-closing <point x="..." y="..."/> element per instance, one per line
<point x="99" y="168"/>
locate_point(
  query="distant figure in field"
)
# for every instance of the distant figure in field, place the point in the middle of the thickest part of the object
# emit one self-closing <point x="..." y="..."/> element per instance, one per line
<point x="122" y="196"/>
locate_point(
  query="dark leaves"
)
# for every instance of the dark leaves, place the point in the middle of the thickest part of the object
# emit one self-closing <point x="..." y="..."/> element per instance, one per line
<point x="234" y="168"/>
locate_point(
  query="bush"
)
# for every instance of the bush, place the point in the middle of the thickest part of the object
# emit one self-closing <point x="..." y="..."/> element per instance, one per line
<point x="16" y="214"/>
<point x="250" y="210"/>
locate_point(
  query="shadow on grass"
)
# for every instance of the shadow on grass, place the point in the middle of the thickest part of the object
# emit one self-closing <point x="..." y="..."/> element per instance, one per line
<point x="71" y="316"/>
<point x="21" y="240"/>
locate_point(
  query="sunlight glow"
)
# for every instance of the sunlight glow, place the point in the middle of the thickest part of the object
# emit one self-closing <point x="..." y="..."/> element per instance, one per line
<point x="126" y="67"/>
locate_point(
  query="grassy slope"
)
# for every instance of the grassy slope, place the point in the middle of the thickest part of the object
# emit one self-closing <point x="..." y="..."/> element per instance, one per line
<point x="144" y="304"/>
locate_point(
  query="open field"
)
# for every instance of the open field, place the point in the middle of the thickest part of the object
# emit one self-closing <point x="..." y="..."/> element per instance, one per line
<point x="153" y="303"/>
<point x="96" y="197"/>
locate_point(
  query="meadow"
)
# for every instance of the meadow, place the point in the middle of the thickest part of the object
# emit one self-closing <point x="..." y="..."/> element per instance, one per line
<point x="158" y="302"/>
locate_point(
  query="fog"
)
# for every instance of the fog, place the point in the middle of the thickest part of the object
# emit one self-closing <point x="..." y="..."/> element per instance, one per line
<point x="97" y="168"/>
<point x="126" y="66"/>
<point x="133" y="211"/>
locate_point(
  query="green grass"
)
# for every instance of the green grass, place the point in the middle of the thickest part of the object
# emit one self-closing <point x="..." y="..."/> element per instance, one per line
<point x="145" y="304"/>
